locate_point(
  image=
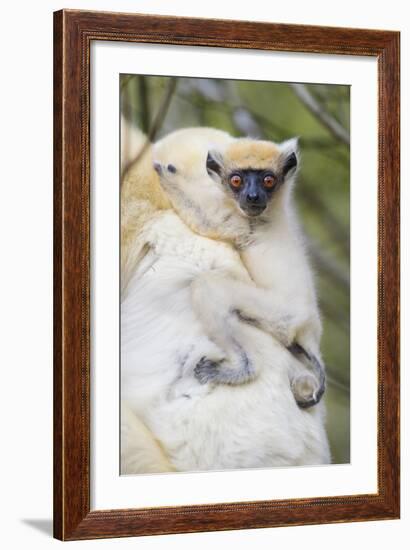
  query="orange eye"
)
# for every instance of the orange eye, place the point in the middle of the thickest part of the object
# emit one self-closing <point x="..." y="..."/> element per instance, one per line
<point x="269" y="181"/>
<point x="236" y="180"/>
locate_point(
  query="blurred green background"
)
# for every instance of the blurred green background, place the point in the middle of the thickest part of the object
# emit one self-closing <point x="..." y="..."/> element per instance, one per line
<point x="319" y="114"/>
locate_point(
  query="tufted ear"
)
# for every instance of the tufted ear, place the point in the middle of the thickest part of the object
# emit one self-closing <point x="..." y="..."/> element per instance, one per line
<point x="289" y="156"/>
<point x="157" y="167"/>
<point x="214" y="164"/>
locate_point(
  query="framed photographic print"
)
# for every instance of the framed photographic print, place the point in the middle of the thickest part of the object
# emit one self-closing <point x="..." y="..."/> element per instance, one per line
<point x="226" y="275"/>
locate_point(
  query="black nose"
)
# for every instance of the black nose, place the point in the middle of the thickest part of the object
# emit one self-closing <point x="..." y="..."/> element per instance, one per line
<point x="252" y="198"/>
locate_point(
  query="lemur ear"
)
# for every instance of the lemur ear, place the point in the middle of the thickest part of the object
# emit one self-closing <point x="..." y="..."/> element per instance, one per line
<point x="214" y="164"/>
<point x="289" y="156"/>
<point x="158" y="168"/>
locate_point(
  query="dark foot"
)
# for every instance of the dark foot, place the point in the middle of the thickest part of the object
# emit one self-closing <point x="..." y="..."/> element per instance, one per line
<point x="207" y="370"/>
<point x="308" y="389"/>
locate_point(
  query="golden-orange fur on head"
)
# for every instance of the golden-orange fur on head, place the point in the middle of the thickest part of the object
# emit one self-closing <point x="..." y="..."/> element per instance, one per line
<point x="248" y="153"/>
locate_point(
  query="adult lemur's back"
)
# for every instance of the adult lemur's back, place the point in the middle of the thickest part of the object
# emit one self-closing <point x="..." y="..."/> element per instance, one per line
<point x="197" y="426"/>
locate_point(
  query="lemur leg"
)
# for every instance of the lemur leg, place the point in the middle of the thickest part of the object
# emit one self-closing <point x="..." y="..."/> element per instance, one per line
<point x="227" y="309"/>
<point x="307" y="377"/>
<point x="226" y="330"/>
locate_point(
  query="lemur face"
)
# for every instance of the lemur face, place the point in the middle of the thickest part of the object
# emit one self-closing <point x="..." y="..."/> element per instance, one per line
<point x="252" y="189"/>
<point x="252" y="172"/>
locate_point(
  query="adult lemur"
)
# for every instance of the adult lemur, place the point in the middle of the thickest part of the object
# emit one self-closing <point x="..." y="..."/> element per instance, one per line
<point x="169" y="414"/>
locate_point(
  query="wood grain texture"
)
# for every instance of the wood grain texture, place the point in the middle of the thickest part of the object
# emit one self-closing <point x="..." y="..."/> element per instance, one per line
<point x="73" y="32"/>
<point x="58" y="277"/>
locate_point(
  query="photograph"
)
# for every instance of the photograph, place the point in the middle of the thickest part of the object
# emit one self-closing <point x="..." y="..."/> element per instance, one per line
<point x="226" y="279"/>
<point x="234" y="274"/>
<point x="202" y="275"/>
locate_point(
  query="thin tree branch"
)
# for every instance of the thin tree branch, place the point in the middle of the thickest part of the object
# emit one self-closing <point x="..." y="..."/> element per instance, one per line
<point x="145" y="112"/>
<point x="159" y="118"/>
<point x="163" y="110"/>
<point x="125" y="79"/>
<point x="250" y="125"/>
<point x="320" y="113"/>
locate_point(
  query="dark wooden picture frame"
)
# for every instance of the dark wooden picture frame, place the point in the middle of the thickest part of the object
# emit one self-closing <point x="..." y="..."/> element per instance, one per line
<point x="73" y="33"/>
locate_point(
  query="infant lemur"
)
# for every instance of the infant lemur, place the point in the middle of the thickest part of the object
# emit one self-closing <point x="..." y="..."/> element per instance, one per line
<point x="241" y="192"/>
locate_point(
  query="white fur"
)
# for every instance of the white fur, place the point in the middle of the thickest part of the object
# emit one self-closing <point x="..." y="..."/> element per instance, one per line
<point x="132" y="141"/>
<point x="140" y="451"/>
<point x="272" y="250"/>
<point x="202" y="427"/>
